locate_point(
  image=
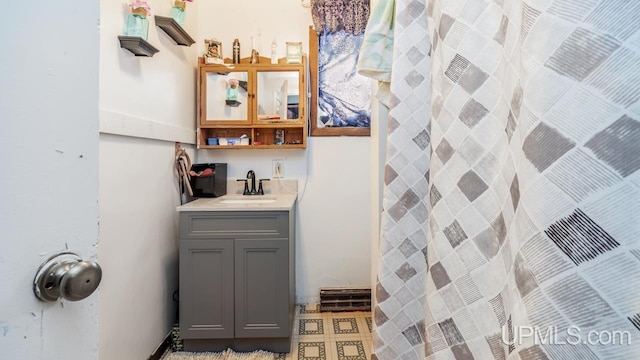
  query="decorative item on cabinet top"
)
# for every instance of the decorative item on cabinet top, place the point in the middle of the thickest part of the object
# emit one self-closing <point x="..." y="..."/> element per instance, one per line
<point x="294" y="52"/>
<point x="261" y="103"/>
<point x="213" y="55"/>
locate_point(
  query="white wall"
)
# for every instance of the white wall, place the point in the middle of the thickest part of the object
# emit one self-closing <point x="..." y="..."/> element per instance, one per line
<point x="138" y="246"/>
<point x="145" y="105"/>
<point x="334" y="214"/>
<point x="335" y="234"/>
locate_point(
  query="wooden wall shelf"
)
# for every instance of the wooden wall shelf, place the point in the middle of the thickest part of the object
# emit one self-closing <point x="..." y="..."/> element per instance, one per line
<point x="137" y="45"/>
<point x="174" y="30"/>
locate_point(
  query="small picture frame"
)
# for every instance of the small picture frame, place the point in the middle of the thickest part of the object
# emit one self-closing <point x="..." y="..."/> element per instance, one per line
<point x="294" y="52"/>
<point x="278" y="137"/>
<point x="213" y="50"/>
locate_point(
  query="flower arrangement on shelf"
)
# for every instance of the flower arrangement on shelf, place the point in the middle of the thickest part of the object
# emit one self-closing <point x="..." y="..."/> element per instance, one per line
<point x="137" y="23"/>
<point x="178" y="10"/>
<point x="181" y="3"/>
<point x="140" y="7"/>
<point x="233" y="83"/>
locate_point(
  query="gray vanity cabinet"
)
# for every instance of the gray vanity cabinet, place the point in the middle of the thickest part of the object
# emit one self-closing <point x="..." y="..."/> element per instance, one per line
<point x="236" y="280"/>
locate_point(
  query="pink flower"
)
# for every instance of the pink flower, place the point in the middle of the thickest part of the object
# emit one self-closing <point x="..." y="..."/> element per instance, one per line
<point x="233" y="82"/>
<point x="135" y="4"/>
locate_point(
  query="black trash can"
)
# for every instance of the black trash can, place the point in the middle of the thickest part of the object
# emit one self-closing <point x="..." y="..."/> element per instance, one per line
<point x="209" y="185"/>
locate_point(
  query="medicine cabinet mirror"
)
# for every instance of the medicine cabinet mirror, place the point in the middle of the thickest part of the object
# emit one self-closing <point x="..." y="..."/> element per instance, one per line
<point x="278" y="95"/>
<point x="218" y="106"/>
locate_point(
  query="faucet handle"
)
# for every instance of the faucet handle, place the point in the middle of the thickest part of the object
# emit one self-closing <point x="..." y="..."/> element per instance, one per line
<point x="260" y="190"/>
<point x="246" y="186"/>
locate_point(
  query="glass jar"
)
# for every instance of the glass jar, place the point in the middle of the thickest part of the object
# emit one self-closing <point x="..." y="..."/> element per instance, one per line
<point x="232" y="92"/>
<point x="137" y="23"/>
<point x="178" y="12"/>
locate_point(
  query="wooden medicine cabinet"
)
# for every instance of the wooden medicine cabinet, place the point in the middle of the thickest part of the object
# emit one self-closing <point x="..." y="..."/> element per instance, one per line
<point x="249" y="106"/>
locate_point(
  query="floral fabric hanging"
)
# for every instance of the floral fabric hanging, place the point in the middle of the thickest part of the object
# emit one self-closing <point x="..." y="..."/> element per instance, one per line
<point x="340" y="15"/>
<point x="344" y="96"/>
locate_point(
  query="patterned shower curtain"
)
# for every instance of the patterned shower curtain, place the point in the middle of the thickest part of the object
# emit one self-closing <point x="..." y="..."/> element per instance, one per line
<point x="531" y="188"/>
<point x="396" y="51"/>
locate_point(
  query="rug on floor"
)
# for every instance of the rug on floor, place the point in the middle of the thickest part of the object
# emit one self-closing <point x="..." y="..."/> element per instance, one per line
<point x="225" y="355"/>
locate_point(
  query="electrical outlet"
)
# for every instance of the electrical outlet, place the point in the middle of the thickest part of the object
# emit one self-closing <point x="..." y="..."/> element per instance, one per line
<point x="278" y="168"/>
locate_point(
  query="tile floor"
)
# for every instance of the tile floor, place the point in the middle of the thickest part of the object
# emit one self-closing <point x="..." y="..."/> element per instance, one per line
<point x="330" y="335"/>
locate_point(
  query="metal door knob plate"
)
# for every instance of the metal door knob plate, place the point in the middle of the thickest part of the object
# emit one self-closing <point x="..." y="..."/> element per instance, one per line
<point x="66" y="276"/>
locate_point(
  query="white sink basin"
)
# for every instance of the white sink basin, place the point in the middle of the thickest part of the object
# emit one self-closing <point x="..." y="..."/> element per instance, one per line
<point x="248" y="201"/>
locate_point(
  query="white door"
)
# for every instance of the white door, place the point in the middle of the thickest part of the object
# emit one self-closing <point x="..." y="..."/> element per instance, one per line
<point x="49" y="176"/>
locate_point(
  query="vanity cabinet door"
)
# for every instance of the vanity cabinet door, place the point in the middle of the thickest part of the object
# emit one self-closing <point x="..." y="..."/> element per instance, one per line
<point x="262" y="288"/>
<point x="206" y="289"/>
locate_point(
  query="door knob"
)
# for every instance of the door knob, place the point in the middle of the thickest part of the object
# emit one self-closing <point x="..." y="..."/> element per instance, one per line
<point x="66" y="276"/>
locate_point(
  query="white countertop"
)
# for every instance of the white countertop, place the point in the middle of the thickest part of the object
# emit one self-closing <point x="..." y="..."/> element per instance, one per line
<point x="269" y="202"/>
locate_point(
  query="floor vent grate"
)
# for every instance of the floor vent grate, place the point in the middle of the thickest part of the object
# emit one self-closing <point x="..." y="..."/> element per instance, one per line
<point x="345" y="299"/>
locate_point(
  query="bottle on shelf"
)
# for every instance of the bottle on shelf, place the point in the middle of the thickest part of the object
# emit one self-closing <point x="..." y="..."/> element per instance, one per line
<point x="274" y="52"/>
<point x="236" y="51"/>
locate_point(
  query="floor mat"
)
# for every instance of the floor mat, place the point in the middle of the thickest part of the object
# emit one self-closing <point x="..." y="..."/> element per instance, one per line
<point x="225" y="355"/>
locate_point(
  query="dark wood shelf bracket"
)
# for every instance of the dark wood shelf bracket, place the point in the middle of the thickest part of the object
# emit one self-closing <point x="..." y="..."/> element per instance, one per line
<point x="137" y="45"/>
<point x="174" y="30"/>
